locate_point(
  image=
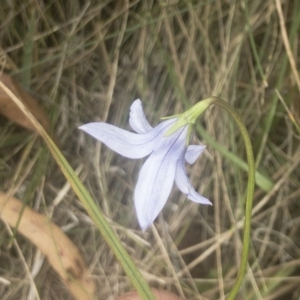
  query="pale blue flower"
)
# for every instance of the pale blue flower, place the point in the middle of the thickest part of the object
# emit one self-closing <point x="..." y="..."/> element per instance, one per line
<point x="168" y="153"/>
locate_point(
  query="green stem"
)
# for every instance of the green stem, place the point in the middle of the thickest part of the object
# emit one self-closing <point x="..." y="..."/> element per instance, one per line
<point x="249" y="199"/>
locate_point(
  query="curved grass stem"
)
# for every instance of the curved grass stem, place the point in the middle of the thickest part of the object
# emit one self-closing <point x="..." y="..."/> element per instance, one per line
<point x="249" y="199"/>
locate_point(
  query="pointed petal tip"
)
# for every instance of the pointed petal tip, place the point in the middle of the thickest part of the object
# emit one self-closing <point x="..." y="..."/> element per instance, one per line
<point x="145" y="217"/>
<point x="208" y="202"/>
<point x="193" y="152"/>
<point x="144" y="224"/>
<point x="136" y="104"/>
<point x="87" y="126"/>
<point x="195" y="197"/>
<point x="137" y="119"/>
<point x="144" y="227"/>
<point x="81" y="128"/>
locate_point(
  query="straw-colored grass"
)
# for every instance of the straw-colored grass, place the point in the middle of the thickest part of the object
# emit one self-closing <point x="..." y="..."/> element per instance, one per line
<point x="87" y="61"/>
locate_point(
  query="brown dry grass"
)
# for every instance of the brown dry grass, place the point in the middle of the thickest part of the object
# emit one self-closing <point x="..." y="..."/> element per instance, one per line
<point x="87" y="61"/>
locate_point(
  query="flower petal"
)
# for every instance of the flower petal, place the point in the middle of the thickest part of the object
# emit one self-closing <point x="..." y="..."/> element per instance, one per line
<point x="156" y="178"/>
<point x="128" y="144"/>
<point x="137" y="119"/>
<point x="184" y="184"/>
<point x="153" y="188"/>
<point x="193" y="152"/>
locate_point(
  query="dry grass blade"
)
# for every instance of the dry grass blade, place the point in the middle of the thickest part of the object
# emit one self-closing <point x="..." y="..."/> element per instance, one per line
<point x="286" y="42"/>
<point x="88" y="60"/>
<point x="62" y="254"/>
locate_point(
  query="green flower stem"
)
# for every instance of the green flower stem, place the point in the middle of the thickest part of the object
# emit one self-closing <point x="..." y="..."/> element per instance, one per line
<point x="89" y="204"/>
<point x="249" y="199"/>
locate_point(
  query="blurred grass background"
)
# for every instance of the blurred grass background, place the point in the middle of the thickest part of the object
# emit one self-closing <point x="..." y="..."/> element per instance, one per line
<point x="87" y="61"/>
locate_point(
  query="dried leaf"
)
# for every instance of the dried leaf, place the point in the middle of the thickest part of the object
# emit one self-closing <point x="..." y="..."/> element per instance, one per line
<point x="62" y="254"/>
<point x="9" y="109"/>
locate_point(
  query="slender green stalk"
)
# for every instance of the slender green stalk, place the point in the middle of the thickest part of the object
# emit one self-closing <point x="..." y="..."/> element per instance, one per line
<point x="249" y="199"/>
<point x="189" y="117"/>
<point x="89" y="204"/>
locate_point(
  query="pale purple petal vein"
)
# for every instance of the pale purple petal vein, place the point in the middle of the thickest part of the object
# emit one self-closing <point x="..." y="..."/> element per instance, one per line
<point x="126" y="143"/>
<point x="156" y="178"/>
<point x="185" y="186"/>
